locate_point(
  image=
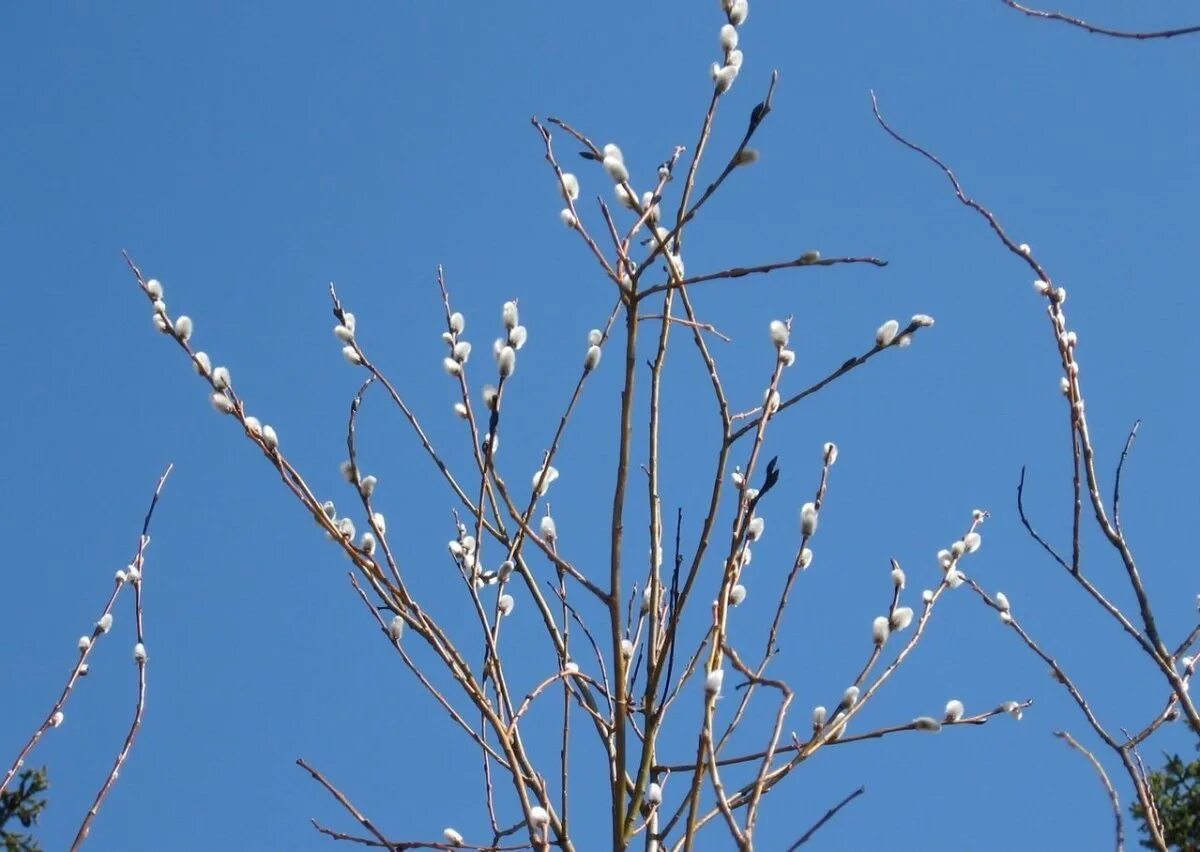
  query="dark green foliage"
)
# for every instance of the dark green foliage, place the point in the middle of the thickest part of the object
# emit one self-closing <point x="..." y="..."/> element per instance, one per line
<point x="1176" y="790"/>
<point x="22" y="805"/>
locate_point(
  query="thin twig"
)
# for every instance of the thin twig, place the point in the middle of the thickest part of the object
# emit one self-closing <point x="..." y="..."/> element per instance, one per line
<point x="1112" y="793"/>
<point x="1099" y="30"/>
<point x="829" y="814"/>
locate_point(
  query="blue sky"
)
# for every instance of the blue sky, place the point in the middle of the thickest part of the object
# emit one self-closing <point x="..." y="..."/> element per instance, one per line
<point x="248" y="154"/>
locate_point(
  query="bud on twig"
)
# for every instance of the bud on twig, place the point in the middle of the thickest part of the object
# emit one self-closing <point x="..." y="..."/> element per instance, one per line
<point x="880" y="628"/>
<point x="808" y="519"/>
<point x="901" y="618"/>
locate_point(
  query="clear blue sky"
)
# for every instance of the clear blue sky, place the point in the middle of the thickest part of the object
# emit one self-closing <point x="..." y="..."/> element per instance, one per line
<point x="247" y="154"/>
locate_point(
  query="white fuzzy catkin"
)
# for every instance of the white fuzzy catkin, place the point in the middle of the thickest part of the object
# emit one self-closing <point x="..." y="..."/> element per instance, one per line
<point x="1002" y="602"/>
<point x="972" y="541"/>
<point x="886" y="333"/>
<point x="458" y="323"/>
<point x="462" y="351"/>
<point x="595" y="337"/>
<point x="56" y="719"/>
<point x="592" y="359"/>
<point x="505" y="604"/>
<point x="270" y="438"/>
<point x="368" y="485"/>
<point x="616" y="169"/>
<point x="570" y="186"/>
<point x="819" y="715"/>
<point x="452" y="837"/>
<point x="713" y="682"/>
<point x="754" y="530"/>
<point x="880" y="629"/>
<point x="507" y="361"/>
<point x="184" y="328"/>
<point x="901" y="618"/>
<point x="396" y="628"/>
<point x="568" y="218"/>
<point x="738" y="12"/>
<point x="779" y="333"/>
<point x="517" y="336"/>
<point x="510" y="315"/>
<point x="368" y="543"/>
<point x="542" y="482"/>
<point x="461" y="410"/>
<point x="736" y="595"/>
<point x="654" y="794"/>
<point x="898" y="578"/>
<point x="154" y="288"/>
<point x="549" y="529"/>
<point x="624" y="198"/>
<point x="927" y="723"/>
<point x="351" y="355"/>
<point x="850" y="696"/>
<point x="831" y="453"/>
<point x="1013" y="709"/>
<point x="954" y="710"/>
<point x="806" y="558"/>
<point x="202" y="363"/>
<point x="342" y="333"/>
<point x="626" y="648"/>
<point x="85" y="642"/>
<point x="723" y="76"/>
<point x="538" y="816"/>
<point x="927" y="595"/>
<point x="139" y="653"/>
<point x="808" y="519"/>
<point x="222" y="403"/>
<point x="729" y="37"/>
<point x="923" y="320"/>
<point x="653" y="212"/>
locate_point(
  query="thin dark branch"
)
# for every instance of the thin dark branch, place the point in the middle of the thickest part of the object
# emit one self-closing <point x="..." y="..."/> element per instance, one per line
<point x="740" y="271"/>
<point x="1098" y="30"/>
<point x="1112" y="793"/>
<point x="829" y="814"/>
<point x="1029" y="527"/>
<point x="1117" y="478"/>
<point x="139" y="710"/>
<point x="347" y="804"/>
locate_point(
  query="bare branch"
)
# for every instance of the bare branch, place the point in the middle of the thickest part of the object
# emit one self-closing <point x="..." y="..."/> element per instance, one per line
<point x="1098" y="30"/>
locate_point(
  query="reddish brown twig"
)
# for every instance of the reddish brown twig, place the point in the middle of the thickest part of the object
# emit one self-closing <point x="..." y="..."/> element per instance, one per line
<point x="54" y="716"/>
<point x="1095" y="28"/>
